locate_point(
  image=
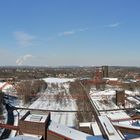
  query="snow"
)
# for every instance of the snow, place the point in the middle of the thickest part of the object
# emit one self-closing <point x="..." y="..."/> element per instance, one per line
<point x="63" y="118"/>
<point x="132" y="99"/>
<point x="101" y="105"/>
<point x="94" y="92"/>
<point x="8" y="89"/>
<point x="21" y="137"/>
<point x="135" y="123"/>
<point x="111" y="79"/>
<point x="126" y="126"/>
<point x="71" y="133"/>
<point x="115" y="115"/>
<point x="50" y="100"/>
<point x="109" y="129"/>
<point x="96" y="129"/>
<point x="58" y="80"/>
<point x="36" y="118"/>
<point x="103" y="101"/>
<point x="134" y="81"/>
<point x="132" y="93"/>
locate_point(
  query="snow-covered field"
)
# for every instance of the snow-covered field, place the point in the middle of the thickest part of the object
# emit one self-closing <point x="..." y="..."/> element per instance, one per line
<point x="58" y="80"/>
<point x="57" y="97"/>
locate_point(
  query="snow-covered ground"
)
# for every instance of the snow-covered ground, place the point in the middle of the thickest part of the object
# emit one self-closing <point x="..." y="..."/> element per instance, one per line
<point x="58" y="80"/>
<point x="57" y="97"/>
<point x="132" y="93"/>
<point x="8" y="89"/>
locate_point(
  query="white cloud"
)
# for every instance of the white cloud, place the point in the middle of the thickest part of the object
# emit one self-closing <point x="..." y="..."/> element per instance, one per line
<point x="23" y="59"/>
<point x="114" y="25"/>
<point x="82" y="29"/>
<point x="24" y="39"/>
<point x="65" y="33"/>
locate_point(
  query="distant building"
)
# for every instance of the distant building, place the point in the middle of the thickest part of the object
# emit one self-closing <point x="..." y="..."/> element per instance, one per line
<point x="105" y="71"/>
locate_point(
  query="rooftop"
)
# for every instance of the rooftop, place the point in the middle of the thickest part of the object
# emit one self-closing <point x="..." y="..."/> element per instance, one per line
<point x="36" y="118"/>
<point x="21" y="137"/>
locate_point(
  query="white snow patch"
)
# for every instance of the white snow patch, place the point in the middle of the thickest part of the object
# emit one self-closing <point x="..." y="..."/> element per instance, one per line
<point x="58" y="80"/>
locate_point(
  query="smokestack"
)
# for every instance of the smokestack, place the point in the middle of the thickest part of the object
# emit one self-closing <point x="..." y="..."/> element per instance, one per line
<point x="120" y="98"/>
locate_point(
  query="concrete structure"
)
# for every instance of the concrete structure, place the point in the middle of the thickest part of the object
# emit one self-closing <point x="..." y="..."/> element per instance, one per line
<point x="86" y="127"/>
<point x="34" y="124"/>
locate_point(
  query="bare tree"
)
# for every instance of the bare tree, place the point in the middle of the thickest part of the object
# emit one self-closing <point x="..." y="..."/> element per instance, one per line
<point x="28" y="90"/>
<point x="82" y="101"/>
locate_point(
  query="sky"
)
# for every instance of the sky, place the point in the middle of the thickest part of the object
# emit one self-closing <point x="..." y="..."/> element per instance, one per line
<point x="69" y="32"/>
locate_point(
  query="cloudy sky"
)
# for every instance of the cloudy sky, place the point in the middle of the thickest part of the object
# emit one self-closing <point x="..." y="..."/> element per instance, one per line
<point x="70" y="32"/>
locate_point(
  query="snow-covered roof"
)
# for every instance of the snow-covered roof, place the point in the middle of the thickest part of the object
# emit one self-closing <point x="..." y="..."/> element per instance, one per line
<point x="36" y="118"/>
<point x="110" y="79"/>
<point x="126" y="126"/>
<point x="104" y="92"/>
<point x="133" y="93"/>
<point x="58" y="80"/>
<point x="133" y="100"/>
<point x="115" y="115"/>
<point x="109" y="129"/>
<point x="100" y="105"/>
<point x="21" y="137"/>
<point x="71" y="133"/>
<point x="96" y="129"/>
